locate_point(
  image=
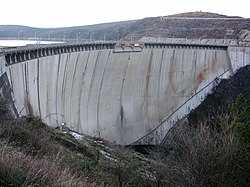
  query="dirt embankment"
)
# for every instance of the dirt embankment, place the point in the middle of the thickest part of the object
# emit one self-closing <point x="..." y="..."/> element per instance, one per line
<point x="220" y="100"/>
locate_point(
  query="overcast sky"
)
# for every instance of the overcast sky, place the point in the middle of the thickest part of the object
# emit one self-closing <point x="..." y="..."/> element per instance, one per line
<point x="61" y="13"/>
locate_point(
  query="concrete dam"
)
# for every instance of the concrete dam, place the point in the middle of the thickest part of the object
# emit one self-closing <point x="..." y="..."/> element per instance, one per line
<point x="127" y="93"/>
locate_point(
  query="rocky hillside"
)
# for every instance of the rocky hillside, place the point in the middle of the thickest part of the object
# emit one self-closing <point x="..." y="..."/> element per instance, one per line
<point x="200" y="14"/>
<point x="220" y="101"/>
<point x="184" y="25"/>
<point x="191" y="25"/>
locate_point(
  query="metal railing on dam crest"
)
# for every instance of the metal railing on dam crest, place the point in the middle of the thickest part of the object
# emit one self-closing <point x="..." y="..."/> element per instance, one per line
<point x="15" y="55"/>
<point x="128" y="93"/>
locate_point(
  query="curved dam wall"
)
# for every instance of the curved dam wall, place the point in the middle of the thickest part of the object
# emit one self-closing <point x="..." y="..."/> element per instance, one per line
<point x="128" y="94"/>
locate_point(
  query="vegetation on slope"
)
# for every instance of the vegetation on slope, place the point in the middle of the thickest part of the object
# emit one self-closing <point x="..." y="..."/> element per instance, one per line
<point x="208" y="156"/>
<point x="33" y="154"/>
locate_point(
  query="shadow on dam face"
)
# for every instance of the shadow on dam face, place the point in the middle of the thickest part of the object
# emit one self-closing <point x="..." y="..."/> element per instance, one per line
<point x="127" y="94"/>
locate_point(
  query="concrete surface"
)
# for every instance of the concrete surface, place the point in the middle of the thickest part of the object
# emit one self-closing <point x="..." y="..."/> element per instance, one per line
<point x="2" y="65"/>
<point x="129" y="95"/>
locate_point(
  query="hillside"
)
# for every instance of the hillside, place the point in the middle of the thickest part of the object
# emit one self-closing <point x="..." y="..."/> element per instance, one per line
<point x="191" y="25"/>
<point x="33" y="154"/>
<point x="85" y="33"/>
<point x="200" y="14"/>
<point x="185" y="25"/>
<point x="218" y="103"/>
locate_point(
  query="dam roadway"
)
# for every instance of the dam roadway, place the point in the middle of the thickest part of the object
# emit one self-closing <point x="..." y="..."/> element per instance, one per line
<point x="127" y="93"/>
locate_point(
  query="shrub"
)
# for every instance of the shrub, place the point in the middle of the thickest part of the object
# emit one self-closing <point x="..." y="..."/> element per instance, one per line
<point x="5" y="114"/>
<point x="122" y="167"/>
<point x="240" y="120"/>
<point x="203" y="157"/>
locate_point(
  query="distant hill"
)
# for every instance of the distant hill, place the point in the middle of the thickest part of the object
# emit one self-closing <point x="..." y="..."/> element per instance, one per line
<point x="191" y="25"/>
<point x="89" y="32"/>
<point x="200" y="14"/>
<point x="184" y="25"/>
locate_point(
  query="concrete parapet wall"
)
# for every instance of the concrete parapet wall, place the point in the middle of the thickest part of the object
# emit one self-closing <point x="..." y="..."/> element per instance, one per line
<point x="239" y="56"/>
<point x="221" y="42"/>
<point x="123" y="94"/>
<point x="201" y="41"/>
<point x="17" y="55"/>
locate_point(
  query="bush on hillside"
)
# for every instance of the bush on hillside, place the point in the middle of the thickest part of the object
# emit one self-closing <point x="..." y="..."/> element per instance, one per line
<point x="201" y="157"/>
<point x="240" y="120"/>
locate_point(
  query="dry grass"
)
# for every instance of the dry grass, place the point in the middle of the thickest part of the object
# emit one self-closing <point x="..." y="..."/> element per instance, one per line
<point x="31" y="135"/>
<point x="33" y="154"/>
<point x="18" y="169"/>
<point x="30" y="155"/>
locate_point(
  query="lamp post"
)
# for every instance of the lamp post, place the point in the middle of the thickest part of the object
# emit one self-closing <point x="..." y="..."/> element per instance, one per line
<point x="49" y="35"/>
<point x="90" y="37"/>
<point x="64" y="35"/>
<point x="18" y="34"/>
<point x="104" y="37"/>
<point x="77" y="36"/>
<point x="36" y="37"/>
<point x="131" y="37"/>
<point x="117" y="36"/>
